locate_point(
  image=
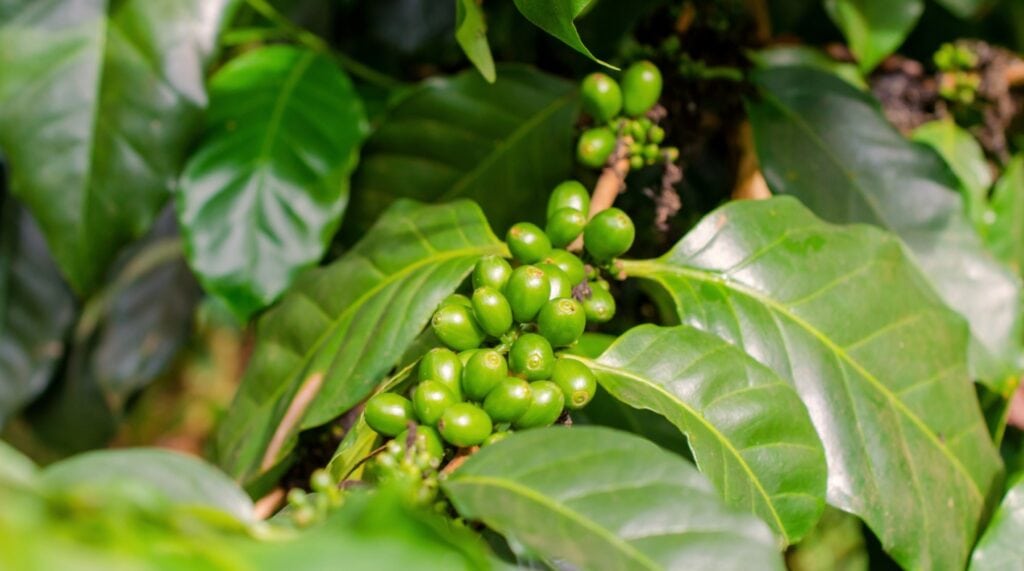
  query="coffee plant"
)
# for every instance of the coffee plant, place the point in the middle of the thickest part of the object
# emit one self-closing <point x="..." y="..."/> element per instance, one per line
<point x="692" y="284"/>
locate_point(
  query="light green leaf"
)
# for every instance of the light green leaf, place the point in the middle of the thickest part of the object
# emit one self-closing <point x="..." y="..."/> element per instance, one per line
<point x="107" y="96"/>
<point x="181" y="479"/>
<point x="471" y="33"/>
<point x="593" y="498"/>
<point x="877" y="358"/>
<point x="262" y="196"/>
<point x="461" y="137"/>
<point x="1000" y="547"/>
<point x="557" y="17"/>
<point x="749" y="432"/>
<point x="1005" y="232"/>
<point x="332" y="339"/>
<point x="15" y="468"/>
<point x="965" y="157"/>
<point x="874" y="29"/>
<point x="829" y="145"/>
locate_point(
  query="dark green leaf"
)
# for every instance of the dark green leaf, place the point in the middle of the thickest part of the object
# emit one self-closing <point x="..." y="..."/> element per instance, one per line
<point x="874" y="29"/>
<point x="557" y="17"/>
<point x="877" y="358"/>
<point x="471" y="33"/>
<point x="594" y="498"/>
<point x="828" y="144"/>
<point x="342" y="327"/>
<point x="796" y="55"/>
<point x="106" y="95"/>
<point x="263" y="194"/>
<point x="1005" y="233"/>
<point x="965" y="157"/>
<point x="182" y="479"/>
<point x="464" y="138"/>
<point x="749" y="432"/>
<point x="966" y="8"/>
<point x="36" y="310"/>
<point x="1000" y="547"/>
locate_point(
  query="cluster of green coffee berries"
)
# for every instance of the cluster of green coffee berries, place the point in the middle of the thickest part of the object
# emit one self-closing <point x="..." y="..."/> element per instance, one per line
<point x="959" y="81"/>
<point x="307" y="509"/>
<point x="623" y="112"/>
<point x="498" y="370"/>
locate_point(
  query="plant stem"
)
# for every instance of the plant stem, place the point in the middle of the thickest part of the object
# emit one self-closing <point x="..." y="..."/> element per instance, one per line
<point x="316" y="43"/>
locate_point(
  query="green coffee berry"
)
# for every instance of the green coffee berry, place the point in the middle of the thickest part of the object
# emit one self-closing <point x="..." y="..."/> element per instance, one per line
<point x="609" y="234"/>
<point x="564" y="226"/>
<point x="465" y="424"/>
<point x="641" y="88"/>
<point x="651" y="152"/>
<point x="656" y="134"/>
<point x="576" y="380"/>
<point x="546" y="405"/>
<point x="427" y="439"/>
<point x="456" y="327"/>
<point x="602" y="98"/>
<point x="527" y="242"/>
<point x="562" y="321"/>
<point x="561" y="285"/>
<point x="531" y="357"/>
<point x="442" y="365"/>
<point x="639" y="134"/>
<point x="569" y="194"/>
<point x="492" y="271"/>
<point x="492" y="311"/>
<point x="595" y="146"/>
<point x="599" y="307"/>
<point x="430" y="399"/>
<point x="526" y="292"/>
<point x="456" y="299"/>
<point x="484" y="370"/>
<point x="569" y="263"/>
<point x="388" y="413"/>
<point x="508" y="400"/>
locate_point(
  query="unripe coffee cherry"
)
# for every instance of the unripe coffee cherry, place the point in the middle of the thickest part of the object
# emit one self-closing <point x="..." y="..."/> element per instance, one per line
<point x="602" y="98"/>
<point x="561" y="321"/>
<point x="576" y="380"/>
<point x="546" y="405"/>
<point x="609" y="234"/>
<point x="465" y="424"/>
<point x="484" y="370"/>
<point x="492" y="311"/>
<point x="456" y="327"/>
<point x="526" y="292"/>
<point x="430" y="399"/>
<point x="509" y="400"/>
<point x="388" y="413"/>
<point x="600" y="306"/>
<point x="569" y="194"/>
<point x="561" y="285"/>
<point x="595" y="146"/>
<point x="564" y="226"/>
<point x="527" y="242"/>
<point x="641" y="88"/>
<point x="492" y="271"/>
<point x="569" y="263"/>
<point x="426" y="438"/>
<point x="531" y="357"/>
<point x="442" y="365"/>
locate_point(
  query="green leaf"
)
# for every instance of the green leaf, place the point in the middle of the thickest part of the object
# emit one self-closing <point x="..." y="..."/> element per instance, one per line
<point x="965" y="8"/>
<point x="1005" y="232"/>
<point x="471" y="33"/>
<point x="107" y="95"/>
<point x="594" y="498"/>
<point x="965" y="157"/>
<point x="874" y="29"/>
<point x="16" y="469"/>
<point x="36" y="310"/>
<point x="463" y="138"/>
<point x="342" y="327"/>
<point x="828" y="144"/>
<point x="183" y="479"/>
<point x="999" y="548"/>
<point x="749" y="432"/>
<point x="877" y="358"/>
<point x="797" y="55"/>
<point x="263" y="194"/>
<point x="557" y="17"/>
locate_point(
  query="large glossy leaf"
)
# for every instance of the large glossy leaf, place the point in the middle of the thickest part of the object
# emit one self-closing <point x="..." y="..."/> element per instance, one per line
<point x="106" y="95"/>
<point x="36" y="310"/>
<point x="263" y="194"/>
<point x="874" y="29"/>
<point x="964" y="155"/>
<point x="471" y="33"/>
<point x="342" y="327"/>
<point x="16" y="469"/>
<point x="828" y="144"/>
<point x="464" y="138"/>
<point x="1000" y="547"/>
<point x="595" y="498"/>
<point x="557" y="17"/>
<point x="798" y="55"/>
<point x="877" y="358"/>
<point x="1005" y="234"/>
<point x="748" y="430"/>
<point x="965" y="8"/>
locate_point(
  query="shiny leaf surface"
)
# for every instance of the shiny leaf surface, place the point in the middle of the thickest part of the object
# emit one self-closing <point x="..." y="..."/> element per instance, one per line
<point x="107" y="95"/>
<point x="877" y="358"/>
<point x="874" y="29"/>
<point x="461" y="137"/>
<point x="829" y="145"/>
<point x="263" y="194"/>
<point x="342" y="327"/>
<point x="557" y="17"/>
<point x="471" y="33"/>
<point x="964" y="155"/>
<point x="596" y="498"/>
<point x="1005" y="234"/>
<point x="1000" y="547"/>
<point x="748" y="430"/>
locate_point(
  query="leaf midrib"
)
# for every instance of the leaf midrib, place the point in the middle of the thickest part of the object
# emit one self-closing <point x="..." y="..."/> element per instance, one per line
<point x="726" y="443"/>
<point x="546" y="503"/>
<point x="648" y="269"/>
<point x="330" y="330"/>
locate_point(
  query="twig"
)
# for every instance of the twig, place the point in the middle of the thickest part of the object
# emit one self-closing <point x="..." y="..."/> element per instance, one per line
<point x="1015" y="73"/>
<point x="750" y="183"/>
<point x="268" y="504"/>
